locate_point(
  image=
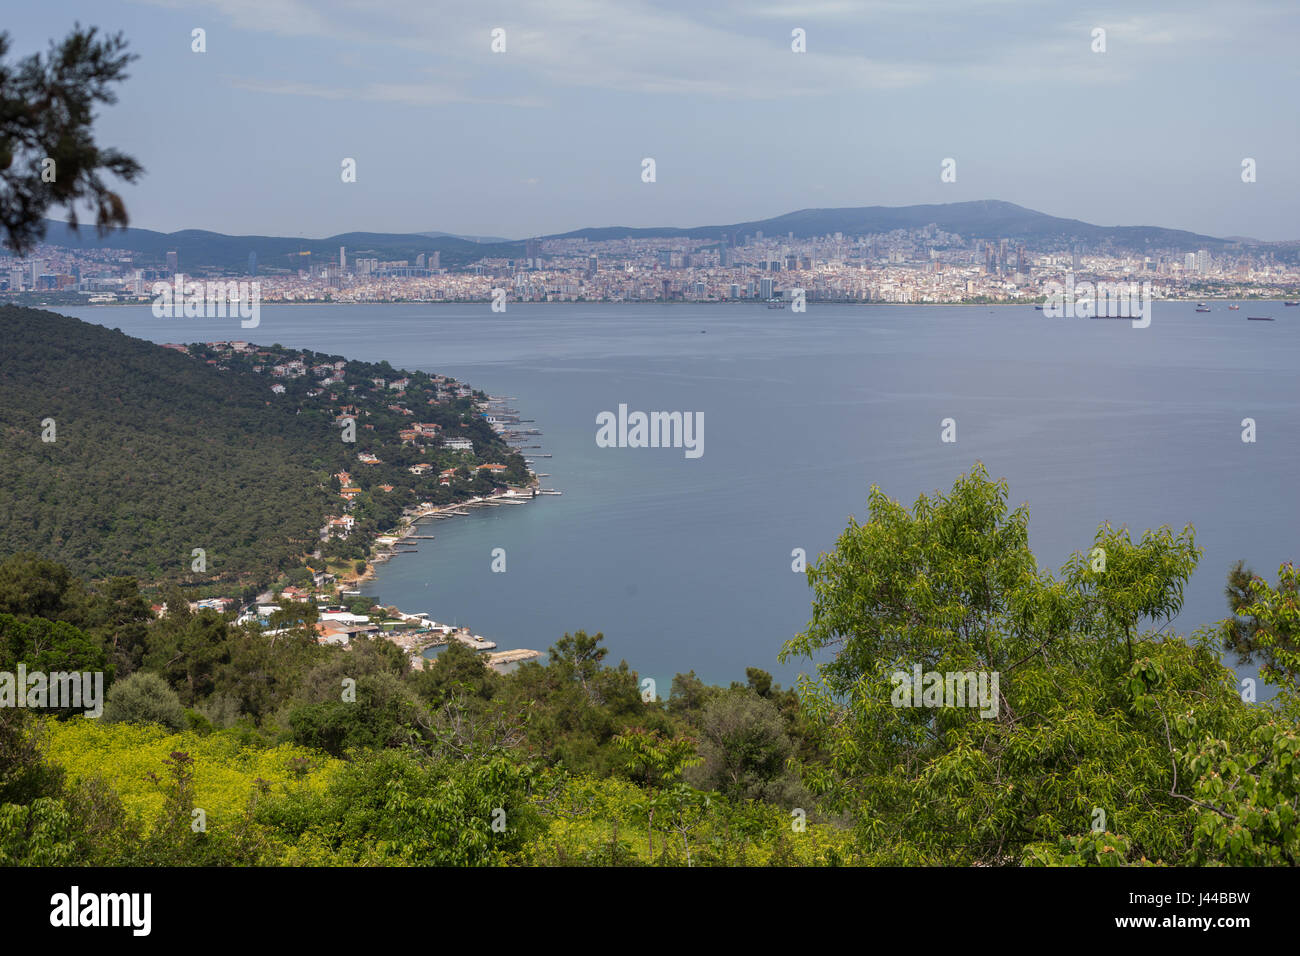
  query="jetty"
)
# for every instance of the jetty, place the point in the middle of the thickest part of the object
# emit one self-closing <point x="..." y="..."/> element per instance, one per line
<point x="512" y="657"/>
<point x="474" y="641"/>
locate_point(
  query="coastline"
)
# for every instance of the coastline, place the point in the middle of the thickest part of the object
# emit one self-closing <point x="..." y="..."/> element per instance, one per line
<point x="1208" y="297"/>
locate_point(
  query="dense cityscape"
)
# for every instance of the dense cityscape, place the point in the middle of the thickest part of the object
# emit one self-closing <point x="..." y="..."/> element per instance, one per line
<point x="925" y="265"/>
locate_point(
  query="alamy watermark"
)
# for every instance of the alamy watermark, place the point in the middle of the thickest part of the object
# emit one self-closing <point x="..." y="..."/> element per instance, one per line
<point x="1098" y="300"/>
<point x="38" y="690"/>
<point x="182" y="298"/>
<point x="953" y="689"/>
<point x="651" y="430"/>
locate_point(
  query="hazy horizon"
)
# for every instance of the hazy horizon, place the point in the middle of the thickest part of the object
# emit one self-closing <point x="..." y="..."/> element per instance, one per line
<point x="665" y="225"/>
<point x="247" y="138"/>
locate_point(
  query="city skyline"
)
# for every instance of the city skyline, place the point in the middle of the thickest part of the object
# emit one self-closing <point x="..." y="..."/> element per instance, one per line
<point x="550" y="135"/>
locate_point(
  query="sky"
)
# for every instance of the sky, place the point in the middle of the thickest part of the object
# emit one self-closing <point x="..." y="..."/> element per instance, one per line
<point x="249" y="137"/>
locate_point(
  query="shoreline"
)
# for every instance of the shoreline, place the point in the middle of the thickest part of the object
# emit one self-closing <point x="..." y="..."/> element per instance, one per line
<point x="658" y="302"/>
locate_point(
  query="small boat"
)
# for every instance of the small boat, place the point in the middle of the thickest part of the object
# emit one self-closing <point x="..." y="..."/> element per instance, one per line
<point x="1291" y="303"/>
<point x="1234" y="308"/>
<point x="1259" y="318"/>
<point x="1038" y="308"/>
<point x="1200" y="304"/>
<point x="1203" y="310"/>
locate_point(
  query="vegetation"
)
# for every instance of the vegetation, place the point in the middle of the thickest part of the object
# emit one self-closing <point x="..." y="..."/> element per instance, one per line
<point x="194" y="450"/>
<point x="48" y="156"/>
<point x="1109" y="740"/>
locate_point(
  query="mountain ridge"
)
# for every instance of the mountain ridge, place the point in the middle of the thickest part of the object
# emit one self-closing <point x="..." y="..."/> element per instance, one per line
<point x="984" y="219"/>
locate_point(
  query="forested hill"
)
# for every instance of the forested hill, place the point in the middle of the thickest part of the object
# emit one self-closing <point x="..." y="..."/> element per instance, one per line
<point x="154" y="454"/>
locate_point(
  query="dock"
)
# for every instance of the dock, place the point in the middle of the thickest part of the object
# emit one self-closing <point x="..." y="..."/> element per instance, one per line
<point x="478" y="643"/>
<point x="512" y="657"/>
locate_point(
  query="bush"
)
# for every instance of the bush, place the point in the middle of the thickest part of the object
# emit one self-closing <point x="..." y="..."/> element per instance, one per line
<point x="144" y="698"/>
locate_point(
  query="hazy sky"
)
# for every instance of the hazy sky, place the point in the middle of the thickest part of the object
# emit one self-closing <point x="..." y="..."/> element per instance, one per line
<point x="549" y="136"/>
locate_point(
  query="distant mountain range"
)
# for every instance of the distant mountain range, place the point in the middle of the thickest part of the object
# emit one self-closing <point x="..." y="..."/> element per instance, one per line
<point x="984" y="219"/>
<point x="198" y="248"/>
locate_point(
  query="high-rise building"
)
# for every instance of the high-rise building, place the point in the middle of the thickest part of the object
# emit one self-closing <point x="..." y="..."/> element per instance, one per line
<point x="765" y="286"/>
<point x="1189" y="262"/>
<point x="593" y="265"/>
<point x="419" y="261"/>
<point x="1203" y="260"/>
<point x="435" y="263"/>
<point x="173" y="262"/>
<point x="343" y="258"/>
<point x="1074" y="259"/>
<point x="533" y="251"/>
<point x="252" y="263"/>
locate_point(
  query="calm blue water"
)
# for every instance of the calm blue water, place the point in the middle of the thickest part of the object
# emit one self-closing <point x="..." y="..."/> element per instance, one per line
<point x="685" y="564"/>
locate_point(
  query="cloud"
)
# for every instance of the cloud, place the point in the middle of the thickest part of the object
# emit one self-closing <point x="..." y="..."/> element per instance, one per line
<point x="632" y="46"/>
<point x="405" y="94"/>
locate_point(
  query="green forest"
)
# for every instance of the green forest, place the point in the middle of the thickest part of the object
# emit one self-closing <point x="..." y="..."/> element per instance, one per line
<point x="120" y="457"/>
<point x="1113" y="740"/>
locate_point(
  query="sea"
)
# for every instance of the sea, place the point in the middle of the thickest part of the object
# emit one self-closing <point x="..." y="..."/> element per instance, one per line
<point x="688" y="563"/>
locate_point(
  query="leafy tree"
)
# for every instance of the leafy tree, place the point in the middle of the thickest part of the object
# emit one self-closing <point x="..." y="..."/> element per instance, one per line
<point x="655" y="763"/>
<point x="419" y="812"/>
<point x="1086" y="714"/>
<point x="458" y="671"/>
<point x="46" y="111"/>
<point x="385" y="713"/>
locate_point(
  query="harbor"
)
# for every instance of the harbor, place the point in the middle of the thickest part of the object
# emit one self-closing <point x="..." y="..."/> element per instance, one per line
<point x="417" y="633"/>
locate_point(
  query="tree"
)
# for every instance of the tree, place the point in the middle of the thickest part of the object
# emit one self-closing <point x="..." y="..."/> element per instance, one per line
<point x="1266" y="622"/>
<point x="655" y="762"/>
<point x="46" y="115"/>
<point x="1088" y="711"/>
<point x="188" y="649"/>
<point x="31" y="586"/>
<point x="577" y="657"/>
<point x="459" y="672"/>
<point x="743" y="748"/>
<point x="47" y="646"/>
<point x="144" y="698"/>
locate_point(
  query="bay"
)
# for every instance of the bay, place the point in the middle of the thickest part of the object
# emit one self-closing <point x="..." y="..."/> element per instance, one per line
<point x="685" y="564"/>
